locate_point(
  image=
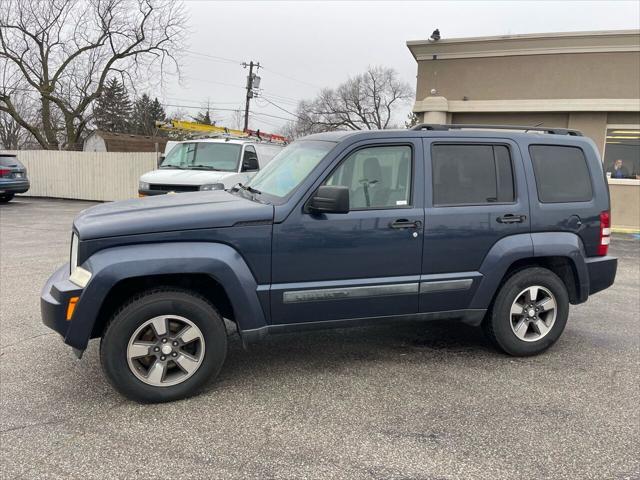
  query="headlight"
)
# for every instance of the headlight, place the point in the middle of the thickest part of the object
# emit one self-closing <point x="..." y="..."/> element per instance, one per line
<point x="79" y="275"/>
<point x="143" y="186"/>
<point x="212" y="186"/>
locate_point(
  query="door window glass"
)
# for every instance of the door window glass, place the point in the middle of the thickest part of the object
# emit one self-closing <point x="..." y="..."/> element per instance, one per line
<point x="377" y="177"/>
<point x="561" y="174"/>
<point x="471" y="174"/>
<point x="250" y="159"/>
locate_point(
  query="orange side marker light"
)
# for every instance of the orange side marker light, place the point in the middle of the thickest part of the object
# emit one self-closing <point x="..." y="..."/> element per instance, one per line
<point x="71" y="307"/>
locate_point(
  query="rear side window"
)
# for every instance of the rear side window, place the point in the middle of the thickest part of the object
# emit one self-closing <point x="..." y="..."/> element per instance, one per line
<point x="562" y="174"/>
<point x="471" y="174"/>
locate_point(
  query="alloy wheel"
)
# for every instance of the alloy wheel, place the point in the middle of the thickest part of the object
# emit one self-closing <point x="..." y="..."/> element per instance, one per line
<point x="165" y="350"/>
<point x="533" y="313"/>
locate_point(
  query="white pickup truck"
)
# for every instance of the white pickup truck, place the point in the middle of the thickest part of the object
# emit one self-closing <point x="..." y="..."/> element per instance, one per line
<point x="207" y="164"/>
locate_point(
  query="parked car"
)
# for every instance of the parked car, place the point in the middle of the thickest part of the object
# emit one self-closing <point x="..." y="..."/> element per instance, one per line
<point x="496" y="228"/>
<point x="207" y="164"/>
<point x="13" y="177"/>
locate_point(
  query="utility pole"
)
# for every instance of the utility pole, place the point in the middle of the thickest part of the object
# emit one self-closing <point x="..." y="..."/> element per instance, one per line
<point x="253" y="81"/>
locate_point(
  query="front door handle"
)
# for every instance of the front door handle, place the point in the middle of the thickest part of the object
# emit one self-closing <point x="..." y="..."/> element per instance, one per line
<point x="511" y="218"/>
<point x="404" y="223"/>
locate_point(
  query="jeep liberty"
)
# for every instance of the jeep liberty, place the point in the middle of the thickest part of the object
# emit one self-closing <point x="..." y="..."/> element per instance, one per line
<point x="498" y="227"/>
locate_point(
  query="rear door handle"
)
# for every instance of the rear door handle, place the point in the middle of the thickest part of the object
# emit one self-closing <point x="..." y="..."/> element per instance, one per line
<point x="404" y="223"/>
<point x="511" y="218"/>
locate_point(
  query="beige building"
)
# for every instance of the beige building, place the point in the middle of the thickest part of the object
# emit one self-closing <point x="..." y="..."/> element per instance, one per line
<point x="589" y="81"/>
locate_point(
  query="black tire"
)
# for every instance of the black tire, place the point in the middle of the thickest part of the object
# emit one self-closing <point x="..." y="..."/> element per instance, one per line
<point x="150" y="304"/>
<point x="6" y="197"/>
<point x="498" y="323"/>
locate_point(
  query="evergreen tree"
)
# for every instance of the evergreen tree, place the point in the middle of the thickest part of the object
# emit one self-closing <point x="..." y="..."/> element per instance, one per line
<point x="112" y="111"/>
<point x="204" y="117"/>
<point x="145" y="115"/>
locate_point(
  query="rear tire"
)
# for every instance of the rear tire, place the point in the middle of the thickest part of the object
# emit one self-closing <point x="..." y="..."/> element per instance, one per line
<point x="163" y="345"/>
<point x="6" y="197"/>
<point x="529" y="312"/>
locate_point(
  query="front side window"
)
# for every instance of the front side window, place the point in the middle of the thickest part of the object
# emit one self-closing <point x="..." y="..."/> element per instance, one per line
<point x="290" y="167"/>
<point x="250" y="159"/>
<point x="561" y="174"/>
<point x="377" y="177"/>
<point x="471" y="174"/>
<point x="204" y="156"/>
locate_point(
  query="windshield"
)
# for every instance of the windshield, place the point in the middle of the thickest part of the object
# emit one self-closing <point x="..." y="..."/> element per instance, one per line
<point x="204" y="155"/>
<point x="290" y="167"/>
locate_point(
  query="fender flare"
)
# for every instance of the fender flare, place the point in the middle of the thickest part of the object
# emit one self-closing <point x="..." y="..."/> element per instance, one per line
<point x="508" y="250"/>
<point x="221" y="262"/>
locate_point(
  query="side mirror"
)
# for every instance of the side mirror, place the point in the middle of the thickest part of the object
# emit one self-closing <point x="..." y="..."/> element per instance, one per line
<point x="330" y="199"/>
<point x="250" y="164"/>
<point x="160" y="159"/>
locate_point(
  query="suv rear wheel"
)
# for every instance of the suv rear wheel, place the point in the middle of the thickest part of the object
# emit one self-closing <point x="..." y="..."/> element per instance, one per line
<point x="6" y="197"/>
<point x="163" y="345"/>
<point x="529" y="312"/>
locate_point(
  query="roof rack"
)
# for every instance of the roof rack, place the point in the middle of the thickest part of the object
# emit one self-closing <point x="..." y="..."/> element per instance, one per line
<point x="548" y="130"/>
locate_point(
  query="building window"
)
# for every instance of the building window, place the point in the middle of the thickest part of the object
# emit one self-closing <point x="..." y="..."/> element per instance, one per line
<point x="622" y="152"/>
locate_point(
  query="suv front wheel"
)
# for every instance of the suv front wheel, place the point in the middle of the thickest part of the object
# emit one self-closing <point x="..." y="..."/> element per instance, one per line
<point x="163" y="345"/>
<point x="529" y="312"/>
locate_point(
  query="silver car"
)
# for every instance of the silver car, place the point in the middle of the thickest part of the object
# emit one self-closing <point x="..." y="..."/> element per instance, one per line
<point x="13" y="177"/>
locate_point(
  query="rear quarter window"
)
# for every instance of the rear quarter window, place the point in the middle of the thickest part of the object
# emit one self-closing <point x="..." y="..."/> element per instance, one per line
<point x="562" y="174"/>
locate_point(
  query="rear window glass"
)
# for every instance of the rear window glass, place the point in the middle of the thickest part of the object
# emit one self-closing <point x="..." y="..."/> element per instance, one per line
<point x="9" y="161"/>
<point x="562" y="174"/>
<point x="471" y="174"/>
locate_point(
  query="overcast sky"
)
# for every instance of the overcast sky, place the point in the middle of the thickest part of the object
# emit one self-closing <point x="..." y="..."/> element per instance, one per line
<point x="305" y="46"/>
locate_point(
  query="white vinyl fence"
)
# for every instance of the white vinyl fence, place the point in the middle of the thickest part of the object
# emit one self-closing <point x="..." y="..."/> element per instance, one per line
<point x="85" y="175"/>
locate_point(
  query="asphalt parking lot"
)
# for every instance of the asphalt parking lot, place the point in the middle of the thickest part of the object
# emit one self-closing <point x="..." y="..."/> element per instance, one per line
<point x="420" y="401"/>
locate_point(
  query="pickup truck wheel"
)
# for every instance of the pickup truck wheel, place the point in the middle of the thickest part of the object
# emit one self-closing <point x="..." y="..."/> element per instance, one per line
<point x="163" y="345"/>
<point x="529" y="312"/>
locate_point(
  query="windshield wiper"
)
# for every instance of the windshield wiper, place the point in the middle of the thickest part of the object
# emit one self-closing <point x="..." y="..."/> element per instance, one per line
<point x="172" y="166"/>
<point x="205" y="167"/>
<point x="247" y="188"/>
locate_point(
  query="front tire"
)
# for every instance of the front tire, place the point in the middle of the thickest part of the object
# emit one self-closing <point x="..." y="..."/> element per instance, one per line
<point x="163" y="345"/>
<point x="529" y="312"/>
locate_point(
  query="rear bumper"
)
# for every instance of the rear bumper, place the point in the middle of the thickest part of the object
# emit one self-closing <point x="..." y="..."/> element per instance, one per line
<point x="14" y="186"/>
<point x="148" y="193"/>
<point x="54" y="301"/>
<point x="602" y="272"/>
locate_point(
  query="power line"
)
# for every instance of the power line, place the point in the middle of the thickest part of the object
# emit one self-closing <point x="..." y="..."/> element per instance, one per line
<point x="215" y="57"/>
<point x="280" y="108"/>
<point x="230" y="60"/>
<point x="293" y="79"/>
<point x="272" y="116"/>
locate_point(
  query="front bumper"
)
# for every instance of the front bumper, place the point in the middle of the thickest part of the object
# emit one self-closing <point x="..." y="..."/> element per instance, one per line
<point x="14" y="186"/>
<point x="602" y="272"/>
<point x="54" y="301"/>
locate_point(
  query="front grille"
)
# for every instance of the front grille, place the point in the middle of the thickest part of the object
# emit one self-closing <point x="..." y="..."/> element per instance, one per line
<point x="175" y="188"/>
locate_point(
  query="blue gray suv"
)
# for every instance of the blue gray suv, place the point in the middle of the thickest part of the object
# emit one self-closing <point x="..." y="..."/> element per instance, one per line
<point x="491" y="226"/>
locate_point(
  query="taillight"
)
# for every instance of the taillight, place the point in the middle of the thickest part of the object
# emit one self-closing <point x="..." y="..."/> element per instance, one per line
<point x="605" y="233"/>
<point x="4" y="171"/>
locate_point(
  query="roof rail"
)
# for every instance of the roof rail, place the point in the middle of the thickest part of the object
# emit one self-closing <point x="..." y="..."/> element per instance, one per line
<point x="549" y="130"/>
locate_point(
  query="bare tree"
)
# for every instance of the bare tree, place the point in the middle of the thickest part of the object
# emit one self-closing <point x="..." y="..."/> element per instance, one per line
<point x="63" y="51"/>
<point x="365" y="102"/>
<point x="12" y="135"/>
